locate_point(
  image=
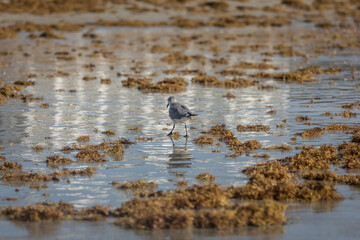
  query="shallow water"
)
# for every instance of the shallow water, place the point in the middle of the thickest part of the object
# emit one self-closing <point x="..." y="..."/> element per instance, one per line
<point x="103" y="107"/>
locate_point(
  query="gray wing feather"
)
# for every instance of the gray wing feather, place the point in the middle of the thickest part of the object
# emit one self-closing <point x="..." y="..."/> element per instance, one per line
<point x="178" y="111"/>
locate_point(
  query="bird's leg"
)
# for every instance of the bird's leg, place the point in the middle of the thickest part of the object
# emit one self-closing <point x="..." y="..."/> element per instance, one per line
<point x="186" y="131"/>
<point x="172" y="140"/>
<point x="172" y="130"/>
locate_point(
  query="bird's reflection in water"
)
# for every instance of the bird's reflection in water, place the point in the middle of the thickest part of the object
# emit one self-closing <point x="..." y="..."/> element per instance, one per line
<point x="180" y="157"/>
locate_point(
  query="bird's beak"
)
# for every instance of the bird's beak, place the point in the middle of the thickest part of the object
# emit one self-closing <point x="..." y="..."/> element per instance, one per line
<point x="167" y="105"/>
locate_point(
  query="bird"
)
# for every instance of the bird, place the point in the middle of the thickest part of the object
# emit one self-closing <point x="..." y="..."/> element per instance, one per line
<point x="178" y="113"/>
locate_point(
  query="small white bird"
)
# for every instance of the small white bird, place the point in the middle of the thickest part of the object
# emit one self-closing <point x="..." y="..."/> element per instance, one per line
<point x="178" y="113"/>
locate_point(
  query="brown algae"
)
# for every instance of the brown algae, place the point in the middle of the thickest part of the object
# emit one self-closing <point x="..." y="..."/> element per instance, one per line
<point x="252" y="128"/>
<point x="205" y="177"/>
<point x="312" y="133"/>
<point x="138" y="184"/>
<point x="204" y="206"/>
<point x="83" y="139"/>
<point x="90" y="156"/>
<point x="204" y="140"/>
<point x="38" y="148"/>
<point x="89" y="171"/>
<point x="56" y="161"/>
<point x="10" y="166"/>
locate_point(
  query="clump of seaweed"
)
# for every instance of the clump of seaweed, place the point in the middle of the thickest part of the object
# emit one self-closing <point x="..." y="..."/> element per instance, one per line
<point x="252" y="128"/>
<point x="136" y="82"/>
<point x="8" y="91"/>
<point x="24" y="83"/>
<point x="38" y="148"/>
<point x="45" y="105"/>
<point x="249" y="65"/>
<point x="115" y="149"/>
<point x="349" y="154"/>
<point x="206" y="80"/>
<point x="40" y="212"/>
<point x="109" y="132"/>
<point x="134" y="129"/>
<point x="346" y="114"/>
<point x="356" y="137"/>
<point x="267" y="87"/>
<point x="94" y="213"/>
<point x="135" y="185"/>
<point x="252" y="214"/>
<point x="90" y="156"/>
<point x="342" y="127"/>
<point x="302" y="118"/>
<point x="205" y="177"/>
<point x="204" y="206"/>
<point x="332" y="177"/>
<point x="312" y="133"/>
<point x="351" y="105"/>
<point x="265" y="156"/>
<point x="229" y="95"/>
<point x="204" y="140"/>
<point x="233" y="143"/>
<point x="312" y="158"/>
<point x="264" y="188"/>
<point x="182" y="183"/>
<point x="272" y="112"/>
<point x="144" y="139"/>
<point x="239" y="82"/>
<point x="168" y="85"/>
<point x="89" y="171"/>
<point x="272" y="169"/>
<point x="25" y="177"/>
<point x="178" y="58"/>
<point x="105" y="81"/>
<point x="56" y="161"/>
<point x="83" y="139"/>
<point x="89" y="78"/>
<point x="218" y="130"/>
<point x="282" y="147"/>
<point x="10" y="166"/>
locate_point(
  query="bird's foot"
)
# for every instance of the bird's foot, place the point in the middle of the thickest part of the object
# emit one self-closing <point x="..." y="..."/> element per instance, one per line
<point x="186" y="136"/>
<point x="170" y="133"/>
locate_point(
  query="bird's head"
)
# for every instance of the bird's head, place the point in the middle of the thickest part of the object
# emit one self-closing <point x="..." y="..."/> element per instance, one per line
<point x="170" y="100"/>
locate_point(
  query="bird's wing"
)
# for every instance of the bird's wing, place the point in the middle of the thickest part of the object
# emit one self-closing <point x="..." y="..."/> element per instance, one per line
<point x="181" y="111"/>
